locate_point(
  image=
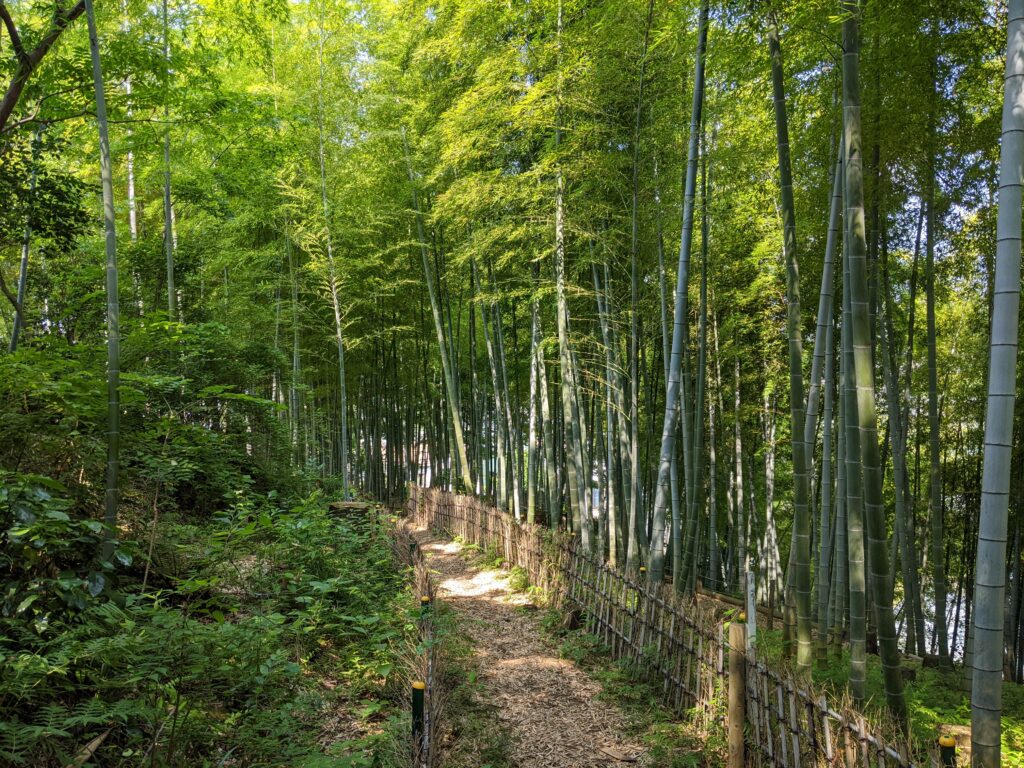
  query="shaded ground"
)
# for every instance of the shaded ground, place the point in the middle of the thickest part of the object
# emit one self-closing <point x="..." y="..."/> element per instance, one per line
<point x="547" y="705"/>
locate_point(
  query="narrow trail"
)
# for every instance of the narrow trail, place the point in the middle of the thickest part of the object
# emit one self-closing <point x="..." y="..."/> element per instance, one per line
<point x="548" y="705"/>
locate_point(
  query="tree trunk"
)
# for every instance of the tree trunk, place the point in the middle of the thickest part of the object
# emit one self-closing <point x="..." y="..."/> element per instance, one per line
<point x="332" y="274"/>
<point x="990" y="573"/>
<point x="801" y="513"/>
<point x="112" y="488"/>
<point x="854" y="495"/>
<point x="172" y="296"/>
<point x="863" y="373"/>
<point x="825" y="534"/>
<point x="435" y="308"/>
<point x="533" y="453"/>
<point x="26" y="243"/>
<point x="668" y="432"/>
<point x="934" y="474"/>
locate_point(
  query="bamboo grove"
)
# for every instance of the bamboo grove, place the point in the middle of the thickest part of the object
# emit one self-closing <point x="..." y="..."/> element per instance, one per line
<point x="710" y="284"/>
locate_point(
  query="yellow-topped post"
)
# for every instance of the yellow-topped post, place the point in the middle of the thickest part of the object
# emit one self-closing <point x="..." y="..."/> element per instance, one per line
<point x="419" y="690"/>
<point x="947" y="750"/>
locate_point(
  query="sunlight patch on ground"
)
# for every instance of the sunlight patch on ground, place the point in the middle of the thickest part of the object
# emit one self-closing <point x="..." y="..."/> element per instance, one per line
<point x="530" y="662"/>
<point x="482" y="584"/>
<point x="547" y="704"/>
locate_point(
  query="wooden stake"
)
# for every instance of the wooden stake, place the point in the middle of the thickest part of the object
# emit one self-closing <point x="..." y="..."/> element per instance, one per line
<point x="737" y="692"/>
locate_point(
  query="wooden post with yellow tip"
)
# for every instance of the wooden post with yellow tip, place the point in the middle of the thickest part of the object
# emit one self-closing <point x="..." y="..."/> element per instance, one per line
<point x="947" y="750"/>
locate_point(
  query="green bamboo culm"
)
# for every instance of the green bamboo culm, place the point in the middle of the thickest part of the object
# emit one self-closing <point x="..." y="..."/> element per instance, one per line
<point x="824" y="356"/>
<point x="668" y="432"/>
<point x="26" y="245"/>
<point x="990" y="573"/>
<point x="801" y="560"/>
<point x="111" y="492"/>
<point x="172" y="294"/>
<point x="863" y="374"/>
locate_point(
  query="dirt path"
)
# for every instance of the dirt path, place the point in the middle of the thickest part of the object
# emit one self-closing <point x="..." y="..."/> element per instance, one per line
<point x="546" y="704"/>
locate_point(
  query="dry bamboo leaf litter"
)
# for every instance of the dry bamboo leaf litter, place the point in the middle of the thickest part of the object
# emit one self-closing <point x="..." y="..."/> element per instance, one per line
<point x="547" y="704"/>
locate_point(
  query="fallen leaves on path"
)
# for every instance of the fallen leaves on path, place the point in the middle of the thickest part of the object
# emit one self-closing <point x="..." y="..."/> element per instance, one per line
<point x="547" y="704"/>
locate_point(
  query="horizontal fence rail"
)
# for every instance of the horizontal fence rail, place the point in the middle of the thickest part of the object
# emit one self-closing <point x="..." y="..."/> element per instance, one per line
<point x="680" y="645"/>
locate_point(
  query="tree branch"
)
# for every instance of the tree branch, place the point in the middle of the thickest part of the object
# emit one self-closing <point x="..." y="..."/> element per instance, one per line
<point x="12" y="31"/>
<point x="28" y="62"/>
<point x="6" y="291"/>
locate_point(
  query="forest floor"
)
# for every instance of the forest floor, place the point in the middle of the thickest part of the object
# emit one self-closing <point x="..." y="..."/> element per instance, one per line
<point x="549" y="711"/>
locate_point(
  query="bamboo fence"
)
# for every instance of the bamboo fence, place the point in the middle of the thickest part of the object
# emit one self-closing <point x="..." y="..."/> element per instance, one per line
<point x="424" y="659"/>
<point x="679" y="645"/>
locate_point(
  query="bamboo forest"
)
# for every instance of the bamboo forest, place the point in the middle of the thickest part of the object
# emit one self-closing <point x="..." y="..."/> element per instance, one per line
<point x="511" y="383"/>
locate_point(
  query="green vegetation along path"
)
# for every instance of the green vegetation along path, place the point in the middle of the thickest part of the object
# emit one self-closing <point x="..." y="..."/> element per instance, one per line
<point x="548" y="706"/>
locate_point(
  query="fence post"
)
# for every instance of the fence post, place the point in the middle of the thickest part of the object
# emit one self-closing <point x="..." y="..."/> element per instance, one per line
<point x="737" y="691"/>
<point x="947" y="750"/>
<point x="419" y="688"/>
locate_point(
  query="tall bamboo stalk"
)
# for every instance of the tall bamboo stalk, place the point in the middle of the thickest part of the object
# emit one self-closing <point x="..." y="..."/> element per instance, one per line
<point x="26" y="244"/>
<point x="333" y="279"/>
<point x="112" y="487"/>
<point x="435" y="309"/>
<point x="801" y="513"/>
<point x="863" y="373"/>
<point x="172" y="295"/>
<point x="661" y="499"/>
<point x="990" y="570"/>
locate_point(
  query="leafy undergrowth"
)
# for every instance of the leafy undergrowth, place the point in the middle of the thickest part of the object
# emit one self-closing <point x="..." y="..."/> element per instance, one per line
<point x="670" y="742"/>
<point x="265" y="637"/>
<point x="936" y="698"/>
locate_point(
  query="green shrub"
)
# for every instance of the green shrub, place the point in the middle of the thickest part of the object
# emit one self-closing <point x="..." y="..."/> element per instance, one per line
<point x="270" y="604"/>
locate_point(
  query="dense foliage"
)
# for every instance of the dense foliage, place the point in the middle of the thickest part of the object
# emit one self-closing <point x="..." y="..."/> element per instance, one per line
<point x="365" y="243"/>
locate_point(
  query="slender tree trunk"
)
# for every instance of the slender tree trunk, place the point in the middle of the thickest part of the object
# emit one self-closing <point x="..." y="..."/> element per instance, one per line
<point x="612" y="488"/>
<point x="172" y="295"/>
<point x="696" y="498"/>
<point x="570" y="411"/>
<point x="332" y="273"/>
<point x="898" y="440"/>
<point x="133" y="214"/>
<point x="771" y="573"/>
<point x="548" y="429"/>
<point x="512" y="442"/>
<point x="499" y="411"/>
<point x="742" y="520"/>
<point x="854" y="496"/>
<point x="843" y="560"/>
<point x="801" y="519"/>
<point x="293" y="390"/>
<point x="824" y="532"/>
<point x="112" y="489"/>
<point x="910" y="523"/>
<point x="863" y="373"/>
<point x="668" y="432"/>
<point x="990" y="571"/>
<point x="636" y="488"/>
<point x="532" y="448"/>
<point x="714" y="553"/>
<point x="934" y="474"/>
<point x="435" y="308"/>
<point x="674" y="535"/>
<point x="26" y="243"/>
